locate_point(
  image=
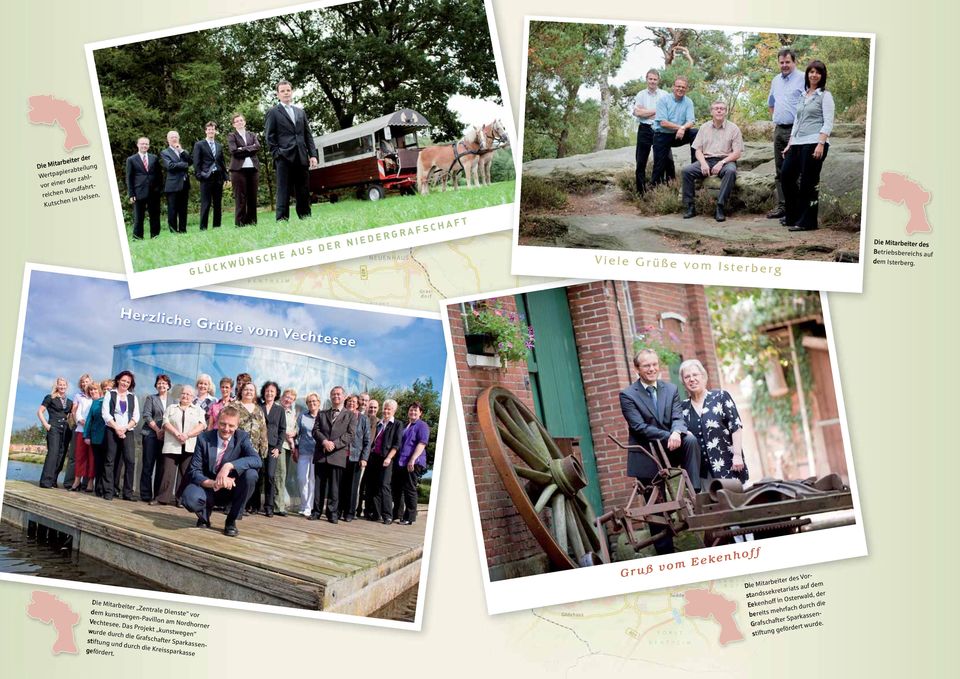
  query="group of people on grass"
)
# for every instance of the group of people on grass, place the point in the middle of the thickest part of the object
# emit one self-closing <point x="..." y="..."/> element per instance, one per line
<point x="288" y="140"/>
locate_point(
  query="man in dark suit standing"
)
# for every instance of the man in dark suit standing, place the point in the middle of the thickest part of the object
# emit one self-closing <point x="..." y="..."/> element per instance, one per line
<point x="334" y="431"/>
<point x="294" y="152"/>
<point x="177" y="163"/>
<point x="144" y="184"/>
<point x="223" y="471"/>
<point x="651" y="408"/>
<point x="211" y="170"/>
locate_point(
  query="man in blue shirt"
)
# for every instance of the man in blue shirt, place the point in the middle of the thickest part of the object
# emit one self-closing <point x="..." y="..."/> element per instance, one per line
<point x="672" y="126"/>
<point x="644" y="111"/>
<point x="785" y="92"/>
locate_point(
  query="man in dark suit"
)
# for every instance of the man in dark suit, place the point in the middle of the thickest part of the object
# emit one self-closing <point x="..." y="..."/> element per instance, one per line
<point x="294" y="152"/>
<point x="334" y="431"/>
<point x="223" y="471"/>
<point x="177" y="163"/>
<point x="211" y="170"/>
<point x="651" y="408"/>
<point x="144" y="184"/>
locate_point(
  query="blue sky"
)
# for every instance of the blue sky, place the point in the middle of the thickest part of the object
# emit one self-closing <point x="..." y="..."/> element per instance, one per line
<point x="73" y="322"/>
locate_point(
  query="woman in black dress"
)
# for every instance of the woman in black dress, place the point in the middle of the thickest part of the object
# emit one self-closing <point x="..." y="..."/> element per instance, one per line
<point x="53" y="413"/>
<point x="711" y="416"/>
<point x="276" y="420"/>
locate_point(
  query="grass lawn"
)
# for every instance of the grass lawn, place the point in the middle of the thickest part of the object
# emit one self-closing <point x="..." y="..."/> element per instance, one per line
<point x="328" y="219"/>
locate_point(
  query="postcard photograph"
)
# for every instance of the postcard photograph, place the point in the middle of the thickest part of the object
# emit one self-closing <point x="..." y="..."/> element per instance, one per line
<point x="625" y="436"/>
<point x="318" y="133"/>
<point x="223" y="447"/>
<point x="696" y="154"/>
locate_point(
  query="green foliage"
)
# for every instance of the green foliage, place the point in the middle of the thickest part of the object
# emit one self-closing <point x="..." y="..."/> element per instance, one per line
<point x="561" y="58"/>
<point x="328" y="219"/>
<point x="538" y="193"/>
<point x="738" y="316"/>
<point x="661" y="200"/>
<point x="662" y="343"/>
<point x="512" y="337"/>
<point x="502" y="169"/>
<point x="421" y="391"/>
<point x="365" y="59"/>
<point x="33" y="435"/>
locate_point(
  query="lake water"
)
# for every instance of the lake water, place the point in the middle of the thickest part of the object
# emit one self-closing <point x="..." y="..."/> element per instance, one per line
<point x="25" y="555"/>
<point x="24" y="471"/>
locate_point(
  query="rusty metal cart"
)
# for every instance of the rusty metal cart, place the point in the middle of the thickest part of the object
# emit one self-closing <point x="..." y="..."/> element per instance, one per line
<point x="546" y="486"/>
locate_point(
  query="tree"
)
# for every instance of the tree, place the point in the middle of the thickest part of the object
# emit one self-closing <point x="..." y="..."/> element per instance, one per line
<point x="614" y="52"/>
<point x="362" y="60"/>
<point x="422" y="392"/>
<point x="561" y="57"/>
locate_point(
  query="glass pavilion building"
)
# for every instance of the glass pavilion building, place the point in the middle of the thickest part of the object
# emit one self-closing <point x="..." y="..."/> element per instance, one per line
<point x="183" y="361"/>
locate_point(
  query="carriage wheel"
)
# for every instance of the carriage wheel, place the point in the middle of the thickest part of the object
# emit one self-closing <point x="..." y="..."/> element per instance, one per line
<point x="374" y="192"/>
<point x="538" y="476"/>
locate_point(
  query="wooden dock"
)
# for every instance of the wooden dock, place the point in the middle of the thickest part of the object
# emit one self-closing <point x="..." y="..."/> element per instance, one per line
<point x="353" y="568"/>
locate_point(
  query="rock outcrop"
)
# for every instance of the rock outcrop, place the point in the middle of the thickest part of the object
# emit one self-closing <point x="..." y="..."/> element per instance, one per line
<point x="841" y="180"/>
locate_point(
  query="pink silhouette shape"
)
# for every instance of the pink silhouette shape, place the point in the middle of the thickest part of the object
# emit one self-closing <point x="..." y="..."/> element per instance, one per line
<point x="48" y="110"/>
<point x="702" y="603"/>
<point x="49" y="610"/>
<point x="904" y="191"/>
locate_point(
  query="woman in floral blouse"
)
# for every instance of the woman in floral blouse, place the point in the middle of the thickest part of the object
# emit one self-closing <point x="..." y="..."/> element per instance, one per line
<point x="253" y="422"/>
<point x="711" y="416"/>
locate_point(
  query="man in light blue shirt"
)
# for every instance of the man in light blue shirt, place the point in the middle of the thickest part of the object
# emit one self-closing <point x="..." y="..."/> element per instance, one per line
<point x="785" y="92"/>
<point x="644" y="111"/>
<point x="672" y="127"/>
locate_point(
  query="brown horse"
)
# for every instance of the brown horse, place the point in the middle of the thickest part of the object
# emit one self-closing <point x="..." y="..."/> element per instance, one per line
<point x="495" y="137"/>
<point x="450" y="159"/>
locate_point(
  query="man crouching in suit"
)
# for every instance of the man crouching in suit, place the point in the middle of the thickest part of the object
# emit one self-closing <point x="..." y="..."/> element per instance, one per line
<point x="651" y="408"/>
<point x="223" y="472"/>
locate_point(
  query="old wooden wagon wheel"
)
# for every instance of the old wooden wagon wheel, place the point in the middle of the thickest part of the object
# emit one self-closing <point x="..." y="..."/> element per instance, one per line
<point x="539" y="478"/>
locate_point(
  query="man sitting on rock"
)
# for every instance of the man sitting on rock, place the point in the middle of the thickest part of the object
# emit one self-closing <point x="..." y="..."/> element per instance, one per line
<point x="718" y="145"/>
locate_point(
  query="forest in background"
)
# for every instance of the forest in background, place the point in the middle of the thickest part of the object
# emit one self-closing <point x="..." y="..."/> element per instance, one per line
<point x="736" y="67"/>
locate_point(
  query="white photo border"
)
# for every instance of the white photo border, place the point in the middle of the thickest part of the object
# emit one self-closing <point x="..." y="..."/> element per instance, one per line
<point x="581" y="584"/>
<point x="758" y="272"/>
<point x="327" y="250"/>
<point x="132" y="592"/>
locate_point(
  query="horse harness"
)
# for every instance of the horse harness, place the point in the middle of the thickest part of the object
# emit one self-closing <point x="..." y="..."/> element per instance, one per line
<point x="457" y="155"/>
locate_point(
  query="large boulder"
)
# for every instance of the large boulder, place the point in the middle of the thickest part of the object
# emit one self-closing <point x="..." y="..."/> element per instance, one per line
<point x="841" y="179"/>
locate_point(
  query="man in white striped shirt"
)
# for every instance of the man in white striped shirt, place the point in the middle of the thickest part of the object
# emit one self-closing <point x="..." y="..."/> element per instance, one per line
<point x="644" y="110"/>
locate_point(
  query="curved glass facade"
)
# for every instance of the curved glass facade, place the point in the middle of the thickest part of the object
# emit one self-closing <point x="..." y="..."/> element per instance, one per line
<point x="184" y="361"/>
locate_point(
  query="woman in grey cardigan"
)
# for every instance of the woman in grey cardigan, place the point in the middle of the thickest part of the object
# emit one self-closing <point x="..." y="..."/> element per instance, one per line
<point x="151" y="469"/>
<point x="803" y="158"/>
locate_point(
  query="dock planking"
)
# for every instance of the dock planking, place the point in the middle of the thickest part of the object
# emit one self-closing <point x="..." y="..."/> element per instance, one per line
<point x="353" y="568"/>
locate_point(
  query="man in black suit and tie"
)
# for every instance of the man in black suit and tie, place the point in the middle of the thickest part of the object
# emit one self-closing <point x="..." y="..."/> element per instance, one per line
<point x="333" y="430"/>
<point x="651" y="408"/>
<point x="294" y="152"/>
<point x="177" y="163"/>
<point x="211" y="170"/>
<point x="144" y="184"/>
<point x="223" y="471"/>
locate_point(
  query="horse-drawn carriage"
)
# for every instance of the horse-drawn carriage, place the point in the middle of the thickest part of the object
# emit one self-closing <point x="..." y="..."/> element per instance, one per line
<point x="546" y="484"/>
<point x="369" y="159"/>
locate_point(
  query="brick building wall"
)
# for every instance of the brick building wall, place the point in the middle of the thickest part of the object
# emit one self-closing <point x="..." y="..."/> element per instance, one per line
<point x="506" y="538"/>
<point x="603" y="315"/>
